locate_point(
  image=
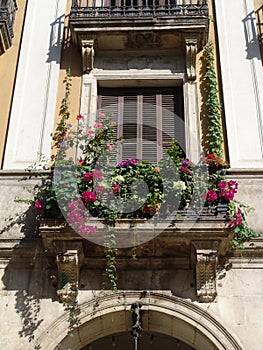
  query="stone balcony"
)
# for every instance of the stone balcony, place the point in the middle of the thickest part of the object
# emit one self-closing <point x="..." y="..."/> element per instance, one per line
<point x="185" y="242"/>
<point x="139" y="25"/>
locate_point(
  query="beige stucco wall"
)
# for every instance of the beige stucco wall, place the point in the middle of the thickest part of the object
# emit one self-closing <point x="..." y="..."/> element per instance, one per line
<point x="28" y="301"/>
<point x="8" y="65"/>
<point x="70" y="59"/>
<point x="258" y="3"/>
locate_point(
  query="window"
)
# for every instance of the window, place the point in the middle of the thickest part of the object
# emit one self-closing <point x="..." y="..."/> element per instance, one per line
<point x="147" y="119"/>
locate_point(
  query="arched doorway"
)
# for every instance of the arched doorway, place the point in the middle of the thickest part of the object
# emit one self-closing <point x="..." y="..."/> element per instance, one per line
<point x="162" y="314"/>
<point x="148" y="341"/>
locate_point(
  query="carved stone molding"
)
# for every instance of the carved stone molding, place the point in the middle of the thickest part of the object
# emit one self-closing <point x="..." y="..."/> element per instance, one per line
<point x="68" y="275"/>
<point x="205" y="265"/>
<point x="88" y="54"/>
<point x="191" y="50"/>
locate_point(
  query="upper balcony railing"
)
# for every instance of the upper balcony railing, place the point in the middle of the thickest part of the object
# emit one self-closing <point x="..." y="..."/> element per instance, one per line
<point x="138" y="8"/>
<point x="7" y="16"/>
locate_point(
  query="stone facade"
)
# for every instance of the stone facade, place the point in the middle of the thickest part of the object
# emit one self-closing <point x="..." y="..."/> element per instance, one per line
<point x="195" y="292"/>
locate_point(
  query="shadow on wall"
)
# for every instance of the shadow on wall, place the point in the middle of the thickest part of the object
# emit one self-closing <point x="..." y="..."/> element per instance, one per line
<point x="251" y="36"/>
<point x="61" y="49"/>
<point x="55" y="40"/>
<point x="26" y="277"/>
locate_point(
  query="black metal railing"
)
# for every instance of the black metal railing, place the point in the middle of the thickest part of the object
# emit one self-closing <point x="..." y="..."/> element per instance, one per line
<point x="138" y="8"/>
<point x="7" y="14"/>
<point x="259" y="20"/>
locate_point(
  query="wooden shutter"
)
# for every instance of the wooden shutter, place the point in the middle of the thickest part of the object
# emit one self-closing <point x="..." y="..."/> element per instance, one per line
<point x="149" y="127"/>
<point x="146" y="118"/>
<point x="130" y="126"/>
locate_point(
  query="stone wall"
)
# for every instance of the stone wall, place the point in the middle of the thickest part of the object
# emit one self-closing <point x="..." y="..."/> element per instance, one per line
<point x="29" y="304"/>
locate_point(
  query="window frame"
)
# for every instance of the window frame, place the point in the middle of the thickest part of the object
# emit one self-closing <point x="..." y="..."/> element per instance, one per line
<point x="144" y="98"/>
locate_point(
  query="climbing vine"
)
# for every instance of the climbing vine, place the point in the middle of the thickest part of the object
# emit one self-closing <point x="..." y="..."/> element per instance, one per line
<point x="237" y="211"/>
<point x="215" y="133"/>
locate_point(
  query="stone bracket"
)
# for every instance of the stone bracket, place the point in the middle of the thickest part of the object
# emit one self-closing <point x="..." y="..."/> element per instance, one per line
<point x="88" y="53"/>
<point x="68" y="264"/>
<point x="205" y="265"/>
<point x="191" y="51"/>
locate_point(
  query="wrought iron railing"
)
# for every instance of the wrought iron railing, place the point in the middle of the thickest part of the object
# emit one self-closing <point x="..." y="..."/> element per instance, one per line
<point x="7" y="14"/>
<point x="138" y="8"/>
<point x="259" y="20"/>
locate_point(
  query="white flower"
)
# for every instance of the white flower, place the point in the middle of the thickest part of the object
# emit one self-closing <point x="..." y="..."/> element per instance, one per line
<point x="119" y="178"/>
<point x="179" y="185"/>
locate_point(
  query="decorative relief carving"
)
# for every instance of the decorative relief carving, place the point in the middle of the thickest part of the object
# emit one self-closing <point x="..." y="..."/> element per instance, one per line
<point x="143" y="40"/>
<point x="206" y="263"/>
<point x="68" y="276"/>
<point x="88" y="54"/>
<point x="191" y="50"/>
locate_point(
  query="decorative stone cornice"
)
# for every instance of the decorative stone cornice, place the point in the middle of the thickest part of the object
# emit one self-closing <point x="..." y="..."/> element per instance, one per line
<point x="208" y="237"/>
<point x="191" y="51"/>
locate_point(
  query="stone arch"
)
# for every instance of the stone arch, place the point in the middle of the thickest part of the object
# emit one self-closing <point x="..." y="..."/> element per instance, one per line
<point x="162" y="313"/>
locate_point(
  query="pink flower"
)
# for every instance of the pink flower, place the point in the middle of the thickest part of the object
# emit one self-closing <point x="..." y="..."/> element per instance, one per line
<point x="86" y="230"/>
<point x="89" y="196"/>
<point x="185" y="170"/>
<point x="89" y="132"/>
<point x="115" y="188"/>
<point x="97" y="175"/>
<point x="211" y="196"/>
<point x="38" y="205"/>
<point x="100" y="189"/>
<point x="233" y="185"/>
<point x="80" y="161"/>
<point x="222" y="184"/>
<point x="228" y="195"/>
<point x="88" y="177"/>
<point x="101" y="115"/>
<point x="109" y="146"/>
<point x="98" y="125"/>
<point x="79" y="117"/>
<point x="237" y="220"/>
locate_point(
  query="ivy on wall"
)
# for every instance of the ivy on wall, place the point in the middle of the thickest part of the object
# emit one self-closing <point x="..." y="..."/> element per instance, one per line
<point x="215" y="132"/>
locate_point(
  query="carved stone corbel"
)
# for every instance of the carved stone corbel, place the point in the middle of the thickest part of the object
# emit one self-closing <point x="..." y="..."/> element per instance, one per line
<point x="68" y="276"/>
<point x="191" y="51"/>
<point x="205" y="266"/>
<point x="88" y="54"/>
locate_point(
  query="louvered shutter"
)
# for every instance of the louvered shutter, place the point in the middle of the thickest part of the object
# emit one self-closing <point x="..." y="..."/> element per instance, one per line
<point x="149" y="127"/>
<point x="147" y="118"/>
<point x="130" y="126"/>
<point x="111" y="104"/>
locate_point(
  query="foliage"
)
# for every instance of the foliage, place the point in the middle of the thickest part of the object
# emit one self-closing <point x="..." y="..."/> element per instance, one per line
<point x="90" y="187"/>
<point x="64" y="113"/>
<point x="242" y="232"/>
<point x="222" y="190"/>
<point x="215" y="134"/>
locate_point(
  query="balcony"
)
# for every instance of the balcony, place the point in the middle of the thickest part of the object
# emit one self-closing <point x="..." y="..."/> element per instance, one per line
<point x="7" y="16"/>
<point x="135" y="8"/>
<point x="186" y="242"/>
<point x="148" y="17"/>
